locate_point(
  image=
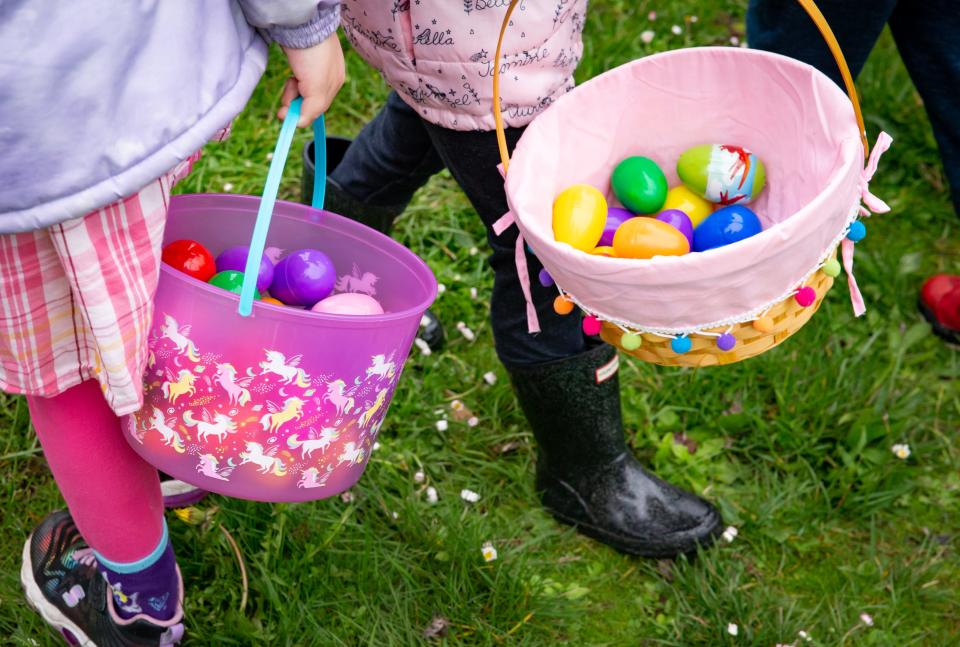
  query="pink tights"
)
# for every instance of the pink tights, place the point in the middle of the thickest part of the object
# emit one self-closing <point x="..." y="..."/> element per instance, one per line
<point x="113" y="495"/>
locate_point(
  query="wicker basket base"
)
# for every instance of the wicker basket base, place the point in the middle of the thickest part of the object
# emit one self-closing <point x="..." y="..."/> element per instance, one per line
<point x="787" y="318"/>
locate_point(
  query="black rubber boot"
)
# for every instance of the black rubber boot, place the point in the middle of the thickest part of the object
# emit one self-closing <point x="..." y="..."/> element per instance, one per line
<point x="376" y="217"/>
<point x="586" y="474"/>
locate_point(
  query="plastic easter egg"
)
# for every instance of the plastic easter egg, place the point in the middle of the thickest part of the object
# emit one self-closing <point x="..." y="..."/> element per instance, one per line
<point x="726" y="226"/>
<point x="645" y="238"/>
<point x="231" y="281"/>
<point x="685" y="200"/>
<point x="722" y="173"/>
<point x="615" y="217"/>
<point x="235" y="258"/>
<point x="349" y="303"/>
<point x="271" y="300"/>
<point x="604" y="251"/>
<point x="190" y="257"/>
<point x="639" y="185"/>
<point x="679" y="221"/>
<point x="579" y="215"/>
<point x="303" y="278"/>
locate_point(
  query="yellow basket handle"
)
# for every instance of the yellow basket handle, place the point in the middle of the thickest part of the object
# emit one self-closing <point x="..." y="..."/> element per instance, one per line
<point x="808" y="5"/>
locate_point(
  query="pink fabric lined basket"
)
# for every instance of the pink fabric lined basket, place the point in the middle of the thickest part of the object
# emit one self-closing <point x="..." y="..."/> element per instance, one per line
<point x="791" y="115"/>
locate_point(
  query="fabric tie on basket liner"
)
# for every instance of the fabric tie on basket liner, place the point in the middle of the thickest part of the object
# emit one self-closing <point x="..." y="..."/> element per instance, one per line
<point x="871" y="204"/>
<point x="523" y="272"/>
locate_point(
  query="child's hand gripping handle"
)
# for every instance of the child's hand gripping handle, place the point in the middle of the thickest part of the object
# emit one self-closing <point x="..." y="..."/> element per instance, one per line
<point x="269" y="198"/>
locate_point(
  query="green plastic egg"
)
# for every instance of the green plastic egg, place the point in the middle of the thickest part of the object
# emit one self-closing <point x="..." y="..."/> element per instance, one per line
<point x="722" y="173"/>
<point x="231" y="281"/>
<point x="639" y="185"/>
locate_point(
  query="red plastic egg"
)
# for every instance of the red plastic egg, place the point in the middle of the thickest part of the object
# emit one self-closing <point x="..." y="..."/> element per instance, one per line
<point x="190" y="257"/>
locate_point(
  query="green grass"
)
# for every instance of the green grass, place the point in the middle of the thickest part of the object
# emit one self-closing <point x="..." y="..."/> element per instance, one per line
<point x="794" y="445"/>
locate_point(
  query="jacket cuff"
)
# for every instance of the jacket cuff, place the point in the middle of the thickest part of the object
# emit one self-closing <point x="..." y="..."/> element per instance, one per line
<point x="310" y="33"/>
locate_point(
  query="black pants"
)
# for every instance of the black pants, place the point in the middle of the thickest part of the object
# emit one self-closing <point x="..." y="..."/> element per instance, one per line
<point x="396" y="153"/>
<point x="927" y="34"/>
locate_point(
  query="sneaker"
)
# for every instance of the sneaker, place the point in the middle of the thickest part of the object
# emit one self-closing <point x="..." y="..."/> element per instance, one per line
<point x="62" y="582"/>
<point x="178" y="494"/>
<point x="940" y="304"/>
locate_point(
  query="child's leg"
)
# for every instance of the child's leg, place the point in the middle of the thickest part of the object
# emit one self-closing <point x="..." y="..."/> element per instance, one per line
<point x="472" y="158"/>
<point x="113" y="496"/>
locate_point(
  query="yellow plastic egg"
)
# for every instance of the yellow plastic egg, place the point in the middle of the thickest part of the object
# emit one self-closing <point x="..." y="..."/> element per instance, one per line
<point x="603" y="251"/>
<point x="579" y="215"/>
<point x="647" y="237"/>
<point x="682" y="198"/>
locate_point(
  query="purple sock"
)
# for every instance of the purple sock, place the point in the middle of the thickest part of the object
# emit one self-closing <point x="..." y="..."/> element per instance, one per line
<point x="149" y="586"/>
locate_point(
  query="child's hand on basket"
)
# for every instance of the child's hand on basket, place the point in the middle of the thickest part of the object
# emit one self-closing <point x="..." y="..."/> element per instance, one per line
<point x="318" y="73"/>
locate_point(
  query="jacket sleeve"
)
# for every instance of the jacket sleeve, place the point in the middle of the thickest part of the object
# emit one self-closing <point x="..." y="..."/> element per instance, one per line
<point x="293" y="23"/>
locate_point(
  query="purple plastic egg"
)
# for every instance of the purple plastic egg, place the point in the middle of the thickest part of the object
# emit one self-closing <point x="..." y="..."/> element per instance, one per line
<point x="678" y="220"/>
<point x="615" y="217"/>
<point x="235" y="259"/>
<point x="303" y="278"/>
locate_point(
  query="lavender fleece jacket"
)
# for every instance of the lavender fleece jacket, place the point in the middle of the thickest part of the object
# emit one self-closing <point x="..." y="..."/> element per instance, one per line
<point x="98" y="98"/>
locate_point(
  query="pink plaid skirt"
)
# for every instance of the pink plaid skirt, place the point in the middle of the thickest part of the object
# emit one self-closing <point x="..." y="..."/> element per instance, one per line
<point x="76" y="299"/>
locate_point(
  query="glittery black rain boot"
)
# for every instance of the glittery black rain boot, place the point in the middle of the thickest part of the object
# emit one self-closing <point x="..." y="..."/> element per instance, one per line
<point x="586" y="474"/>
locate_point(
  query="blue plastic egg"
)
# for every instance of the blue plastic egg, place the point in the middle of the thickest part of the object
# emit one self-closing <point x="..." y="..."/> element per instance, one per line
<point x="726" y="226"/>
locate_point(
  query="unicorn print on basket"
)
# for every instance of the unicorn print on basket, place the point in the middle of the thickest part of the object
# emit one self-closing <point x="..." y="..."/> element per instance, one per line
<point x="266" y="461"/>
<point x="357" y="282"/>
<point x="382" y="367"/>
<point x="236" y="390"/>
<point x="278" y="364"/>
<point x="337" y="396"/>
<point x="209" y="466"/>
<point x="182" y="384"/>
<point x="352" y="453"/>
<point x="164" y="426"/>
<point x="307" y="447"/>
<point x="312" y="478"/>
<point x="178" y="335"/>
<point x="292" y="409"/>
<point x="219" y="424"/>
<point x="372" y="410"/>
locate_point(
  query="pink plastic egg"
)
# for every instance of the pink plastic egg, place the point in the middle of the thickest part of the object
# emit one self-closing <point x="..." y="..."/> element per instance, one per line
<point x="349" y="303"/>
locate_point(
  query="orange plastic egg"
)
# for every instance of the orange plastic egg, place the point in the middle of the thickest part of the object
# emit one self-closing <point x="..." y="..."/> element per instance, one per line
<point x="276" y="302"/>
<point x="579" y="215"/>
<point x="603" y="251"/>
<point x="646" y="237"/>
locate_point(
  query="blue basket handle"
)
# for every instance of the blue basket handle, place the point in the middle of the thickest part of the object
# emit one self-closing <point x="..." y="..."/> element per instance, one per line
<point x="269" y="198"/>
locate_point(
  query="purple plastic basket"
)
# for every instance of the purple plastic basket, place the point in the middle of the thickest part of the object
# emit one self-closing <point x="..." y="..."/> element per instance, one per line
<point x="283" y="405"/>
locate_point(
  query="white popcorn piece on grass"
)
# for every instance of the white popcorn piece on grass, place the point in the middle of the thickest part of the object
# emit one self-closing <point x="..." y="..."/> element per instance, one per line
<point x="376" y="446"/>
<point x="465" y="331"/>
<point x="423" y="346"/>
<point x="489" y="552"/>
<point x="227" y="187"/>
<point x="733" y="629"/>
<point x="473" y="421"/>
<point x="490" y="378"/>
<point x="441" y="288"/>
<point x="647" y="36"/>
<point x="419" y="476"/>
<point x="469" y="496"/>
<point x="431" y="494"/>
<point x="347" y="496"/>
<point x="901" y="451"/>
<point x="473" y="293"/>
<point x="474" y="251"/>
<point x="677" y="30"/>
<point x="394" y="516"/>
<point x="804" y="635"/>
<point x="730" y="533"/>
<point x="866" y="619"/>
<point x="442" y="425"/>
<point x="734" y="40"/>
